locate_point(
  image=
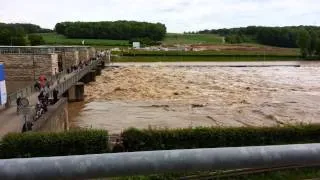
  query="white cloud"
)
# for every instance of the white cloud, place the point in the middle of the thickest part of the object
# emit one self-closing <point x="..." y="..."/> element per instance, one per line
<point x="178" y="15"/>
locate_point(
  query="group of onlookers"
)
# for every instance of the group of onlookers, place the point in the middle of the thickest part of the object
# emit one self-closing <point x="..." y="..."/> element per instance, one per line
<point x="43" y="87"/>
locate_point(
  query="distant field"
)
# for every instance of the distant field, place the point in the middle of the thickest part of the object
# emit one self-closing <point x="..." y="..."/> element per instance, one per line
<point x="53" y="38"/>
<point x="225" y="52"/>
<point x="172" y="39"/>
<point x="211" y="43"/>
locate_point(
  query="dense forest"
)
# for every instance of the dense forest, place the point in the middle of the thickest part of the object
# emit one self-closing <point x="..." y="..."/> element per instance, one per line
<point x="117" y="30"/>
<point x="307" y="38"/>
<point x="15" y="34"/>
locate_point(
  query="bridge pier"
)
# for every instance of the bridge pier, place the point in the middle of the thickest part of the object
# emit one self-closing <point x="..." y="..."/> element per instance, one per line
<point x="76" y="92"/>
<point x="92" y="74"/>
<point x="102" y="65"/>
<point x="98" y="71"/>
<point x="89" y="77"/>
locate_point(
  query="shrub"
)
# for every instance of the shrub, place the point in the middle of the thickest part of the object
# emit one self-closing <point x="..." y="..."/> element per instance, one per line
<point x="144" y="140"/>
<point x="41" y="144"/>
<point x="35" y="39"/>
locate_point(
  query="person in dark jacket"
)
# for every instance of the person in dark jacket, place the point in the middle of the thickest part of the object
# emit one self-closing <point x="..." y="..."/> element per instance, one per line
<point x="118" y="147"/>
<point x="55" y="95"/>
<point x="27" y="126"/>
<point x="18" y="104"/>
<point x="37" y="86"/>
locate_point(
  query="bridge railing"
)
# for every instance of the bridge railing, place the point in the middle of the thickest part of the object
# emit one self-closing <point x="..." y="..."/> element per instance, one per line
<point x="153" y="162"/>
<point x="61" y="85"/>
<point x="29" y="90"/>
<point x="64" y="85"/>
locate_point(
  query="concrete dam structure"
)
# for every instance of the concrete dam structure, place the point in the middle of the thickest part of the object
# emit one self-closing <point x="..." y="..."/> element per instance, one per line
<point x="61" y="66"/>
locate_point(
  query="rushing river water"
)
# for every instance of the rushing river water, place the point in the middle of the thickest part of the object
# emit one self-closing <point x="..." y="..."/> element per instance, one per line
<point x="171" y="97"/>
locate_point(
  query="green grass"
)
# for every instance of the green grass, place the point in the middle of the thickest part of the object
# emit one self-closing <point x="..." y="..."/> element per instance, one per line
<point x="172" y="38"/>
<point x="194" y="58"/>
<point x="57" y="39"/>
<point x="279" y="52"/>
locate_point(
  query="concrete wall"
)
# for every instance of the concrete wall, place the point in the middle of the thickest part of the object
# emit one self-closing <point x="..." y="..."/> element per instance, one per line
<point x="70" y="58"/>
<point x="55" y="120"/>
<point x="92" y="52"/>
<point x="83" y="54"/>
<point x="26" y="67"/>
<point x="54" y="65"/>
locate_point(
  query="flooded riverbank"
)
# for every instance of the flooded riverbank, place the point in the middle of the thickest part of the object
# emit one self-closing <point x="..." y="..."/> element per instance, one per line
<point x="173" y="97"/>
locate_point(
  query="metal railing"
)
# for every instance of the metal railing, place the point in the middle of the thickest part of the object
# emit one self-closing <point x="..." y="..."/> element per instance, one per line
<point x="26" y="50"/>
<point x="39" y="49"/>
<point x="152" y="162"/>
<point x="30" y="89"/>
<point x="62" y="86"/>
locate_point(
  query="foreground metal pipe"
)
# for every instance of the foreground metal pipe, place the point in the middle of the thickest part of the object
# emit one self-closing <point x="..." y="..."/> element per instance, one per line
<point x="150" y="162"/>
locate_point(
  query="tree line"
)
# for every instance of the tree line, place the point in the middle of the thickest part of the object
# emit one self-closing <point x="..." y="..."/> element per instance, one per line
<point x="307" y="38"/>
<point x="117" y="30"/>
<point x="16" y="34"/>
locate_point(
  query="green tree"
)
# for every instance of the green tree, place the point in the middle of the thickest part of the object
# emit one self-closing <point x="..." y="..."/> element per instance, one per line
<point x="318" y="46"/>
<point x="12" y="35"/>
<point x="123" y="30"/>
<point x="304" y="42"/>
<point x="35" y="39"/>
<point x="313" y="43"/>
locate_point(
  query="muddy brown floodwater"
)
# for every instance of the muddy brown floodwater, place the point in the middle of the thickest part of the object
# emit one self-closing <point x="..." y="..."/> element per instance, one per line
<point x="173" y="97"/>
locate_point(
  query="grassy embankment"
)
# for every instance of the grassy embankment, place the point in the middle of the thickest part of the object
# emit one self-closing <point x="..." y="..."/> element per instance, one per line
<point x="242" y="52"/>
<point x="57" y="39"/>
<point x="222" y="55"/>
<point x="173" y="38"/>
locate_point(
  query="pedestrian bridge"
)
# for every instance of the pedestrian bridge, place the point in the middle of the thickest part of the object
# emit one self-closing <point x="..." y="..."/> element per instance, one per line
<point x="70" y="87"/>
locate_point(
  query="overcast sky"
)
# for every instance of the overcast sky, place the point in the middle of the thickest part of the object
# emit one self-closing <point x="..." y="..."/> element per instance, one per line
<point x="177" y="15"/>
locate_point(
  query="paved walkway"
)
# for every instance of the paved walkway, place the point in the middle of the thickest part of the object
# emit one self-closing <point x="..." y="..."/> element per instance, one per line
<point x="10" y="121"/>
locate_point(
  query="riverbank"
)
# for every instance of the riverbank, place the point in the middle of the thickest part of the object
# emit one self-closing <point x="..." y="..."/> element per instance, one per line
<point x="219" y="64"/>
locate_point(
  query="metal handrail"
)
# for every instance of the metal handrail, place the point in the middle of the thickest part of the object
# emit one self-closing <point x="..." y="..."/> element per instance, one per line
<point x="152" y="162"/>
<point x="65" y="84"/>
<point x="29" y="90"/>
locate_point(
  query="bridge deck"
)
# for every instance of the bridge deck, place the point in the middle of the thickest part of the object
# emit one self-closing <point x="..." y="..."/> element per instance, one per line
<point x="10" y="121"/>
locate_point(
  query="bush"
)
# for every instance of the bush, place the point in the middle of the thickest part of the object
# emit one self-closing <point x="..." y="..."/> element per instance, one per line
<point x="43" y="144"/>
<point x="36" y="39"/>
<point x="144" y="140"/>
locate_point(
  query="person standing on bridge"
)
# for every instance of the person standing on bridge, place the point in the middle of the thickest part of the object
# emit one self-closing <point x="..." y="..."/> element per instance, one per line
<point x="55" y="95"/>
<point x="118" y="147"/>
<point x="18" y="104"/>
<point x="42" y="80"/>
